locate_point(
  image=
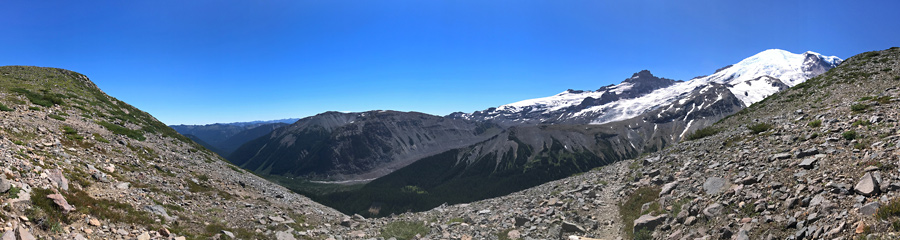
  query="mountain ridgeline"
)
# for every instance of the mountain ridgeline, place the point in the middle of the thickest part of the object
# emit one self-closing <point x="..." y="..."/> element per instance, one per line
<point x="420" y="161"/>
<point x="225" y="138"/>
<point x="356" y="146"/>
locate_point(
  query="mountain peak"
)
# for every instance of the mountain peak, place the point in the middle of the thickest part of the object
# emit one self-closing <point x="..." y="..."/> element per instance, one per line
<point x="642" y="73"/>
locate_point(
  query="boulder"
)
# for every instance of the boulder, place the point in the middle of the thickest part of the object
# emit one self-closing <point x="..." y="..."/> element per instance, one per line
<point x="159" y="210"/>
<point x="667" y="188"/>
<point x="713" y="210"/>
<point x="781" y="156"/>
<point x="649" y="222"/>
<point x="806" y="153"/>
<point x="227" y="233"/>
<point x="9" y="235"/>
<point x="514" y="234"/>
<point x="144" y="236"/>
<point x="809" y="163"/>
<point x="571" y="227"/>
<point x="714" y="185"/>
<point x="57" y="178"/>
<point x="346" y="222"/>
<point x="24" y="234"/>
<point x="61" y="202"/>
<point x="870" y="208"/>
<point x="867" y="186"/>
<point x="5" y="185"/>
<point x="284" y="235"/>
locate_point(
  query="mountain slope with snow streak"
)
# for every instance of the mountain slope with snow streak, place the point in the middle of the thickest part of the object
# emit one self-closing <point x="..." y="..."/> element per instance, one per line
<point x="750" y="80"/>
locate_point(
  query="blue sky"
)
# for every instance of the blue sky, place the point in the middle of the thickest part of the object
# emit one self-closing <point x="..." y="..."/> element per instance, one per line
<point x="197" y="62"/>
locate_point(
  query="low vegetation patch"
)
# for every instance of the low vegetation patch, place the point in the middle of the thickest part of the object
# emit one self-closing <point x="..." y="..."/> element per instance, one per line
<point x="108" y="209"/>
<point x="631" y="208"/>
<point x="759" y="127"/>
<point x="859" y="107"/>
<point x="13" y="192"/>
<point x="890" y="212"/>
<point x="702" y="133"/>
<point x="115" y="128"/>
<point x="503" y="235"/>
<point x="4" y="108"/>
<point x="850" y="135"/>
<point x="413" y="189"/>
<point x="404" y="230"/>
<point x="57" y="117"/>
<point x="71" y="133"/>
<point x="100" y="138"/>
<point x="815" y="123"/>
<point x="43" y="98"/>
<point x="860" y="122"/>
<point x="456" y="220"/>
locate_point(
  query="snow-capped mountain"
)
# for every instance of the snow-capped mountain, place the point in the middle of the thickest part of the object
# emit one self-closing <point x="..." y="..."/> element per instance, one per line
<point x="750" y="80"/>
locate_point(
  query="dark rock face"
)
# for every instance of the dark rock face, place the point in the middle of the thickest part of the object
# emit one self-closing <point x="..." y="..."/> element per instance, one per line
<point x="353" y="146"/>
<point x="813" y="65"/>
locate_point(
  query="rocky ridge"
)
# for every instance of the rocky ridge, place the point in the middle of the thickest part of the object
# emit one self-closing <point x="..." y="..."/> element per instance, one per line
<point x="66" y="175"/>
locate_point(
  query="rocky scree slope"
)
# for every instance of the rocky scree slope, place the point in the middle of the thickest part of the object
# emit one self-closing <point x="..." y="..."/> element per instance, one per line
<point x="78" y="164"/>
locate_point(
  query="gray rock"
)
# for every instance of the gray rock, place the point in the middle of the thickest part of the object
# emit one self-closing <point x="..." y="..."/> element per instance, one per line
<point x="809" y="163"/>
<point x="800" y="234"/>
<point x="713" y="210"/>
<point x="714" y="185"/>
<point x="158" y="210"/>
<point x="781" y="156"/>
<point x="867" y="186"/>
<point x="571" y="227"/>
<point x="145" y="236"/>
<point x="649" y="222"/>
<point x="791" y="223"/>
<point x="667" y="188"/>
<point x="875" y="119"/>
<point x="870" y="208"/>
<point x="5" y="185"/>
<point x="806" y="153"/>
<point x="57" y="178"/>
<point x="276" y="219"/>
<point x="749" y="180"/>
<point x="346" y="222"/>
<point x="690" y="220"/>
<point x="24" y="234"/>
<point x="9" y="235"/>
<point x="229" y="234"/>
<point x="123" y="185"/>
<point x="284" y="235"/>
<point x="100" y="176"/>
<point x="77" y="236"/>
<point x="520" y="221"/>
<point x="818" y="199"/>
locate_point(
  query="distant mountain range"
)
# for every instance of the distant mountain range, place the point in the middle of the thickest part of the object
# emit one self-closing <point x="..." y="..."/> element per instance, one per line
<point x="224" y="138"/>
<point x="750" y="80"/>
<point x="469" y="156"/>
